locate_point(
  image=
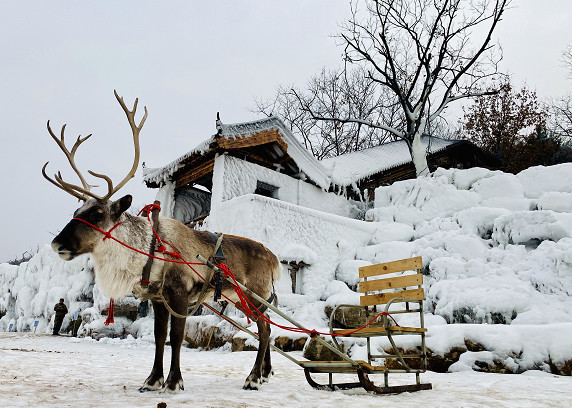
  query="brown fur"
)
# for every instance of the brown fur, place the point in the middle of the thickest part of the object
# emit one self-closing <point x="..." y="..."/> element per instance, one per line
<point x="118" y="271"/>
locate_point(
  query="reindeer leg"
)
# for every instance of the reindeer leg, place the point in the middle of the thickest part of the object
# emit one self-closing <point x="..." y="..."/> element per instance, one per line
<point x="254" y="380"/>
<point x="155" y="379"/>
<point x="267" y="371"/>
<point x="174" y="381"/>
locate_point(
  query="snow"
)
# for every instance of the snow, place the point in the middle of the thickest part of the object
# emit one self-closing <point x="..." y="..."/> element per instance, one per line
<point x="347" y="168"/>
<point x="346" y="271"/>
<point x="497" y="255"/>
<point x="298" y="253"/>
<point x="414" y="201"/>
<point x="556" y="201"/>
<point x="521" y="227"/>
<point x="30" y="291"/>
<point x="43" y="371"/>
<point x="278" y="224"/>
<point x="540" y="179"/>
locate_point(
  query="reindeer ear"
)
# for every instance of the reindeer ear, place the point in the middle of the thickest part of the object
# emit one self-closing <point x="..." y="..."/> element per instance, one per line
<point x="120" y="206"/>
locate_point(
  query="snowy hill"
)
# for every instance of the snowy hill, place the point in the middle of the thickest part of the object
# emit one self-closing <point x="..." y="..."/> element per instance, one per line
<point x="497" y="250"/>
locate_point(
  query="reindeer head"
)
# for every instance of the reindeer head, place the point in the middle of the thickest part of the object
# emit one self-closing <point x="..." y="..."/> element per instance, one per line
<point x="79" y="236"/>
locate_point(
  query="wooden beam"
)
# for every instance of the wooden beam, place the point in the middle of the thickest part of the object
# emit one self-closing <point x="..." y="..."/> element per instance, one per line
<point x="401" y="265"/>
<point x="383" y="298"/>
<point x="368" y="331"/>
<point x="253" y="157"/>
<point x="194" y="173"/>
<point x="391" y="283"/>
<point x="255" y="139"/>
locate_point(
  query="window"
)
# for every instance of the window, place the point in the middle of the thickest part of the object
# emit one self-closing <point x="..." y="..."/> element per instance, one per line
<point x="266" y="190"/>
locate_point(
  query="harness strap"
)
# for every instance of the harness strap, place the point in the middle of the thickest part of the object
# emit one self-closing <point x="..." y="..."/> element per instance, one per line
<point x="271" y="299"/>
<point x="218" y="256"/>
<point x="219" y="259"/>
<point x="203" y="293"/>
<point x="155" y="209"/>
<point x="148" y="265"/>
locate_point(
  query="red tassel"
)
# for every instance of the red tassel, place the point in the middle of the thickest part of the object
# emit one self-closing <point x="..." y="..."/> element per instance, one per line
<point x="109" y="313"/>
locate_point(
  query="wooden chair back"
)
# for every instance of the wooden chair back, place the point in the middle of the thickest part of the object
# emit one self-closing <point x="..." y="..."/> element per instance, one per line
<point x="384" y="288"/>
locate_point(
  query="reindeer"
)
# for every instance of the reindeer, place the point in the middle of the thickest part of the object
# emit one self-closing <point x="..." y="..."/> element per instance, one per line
<point x="118" y="269"/>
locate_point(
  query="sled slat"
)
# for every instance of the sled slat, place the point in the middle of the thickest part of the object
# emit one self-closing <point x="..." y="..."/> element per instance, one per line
<point x="391" y="283"/>
<point x="391" y="267"/>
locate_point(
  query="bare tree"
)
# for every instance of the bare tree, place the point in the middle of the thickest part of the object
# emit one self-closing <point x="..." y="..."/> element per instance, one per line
<point x="422" y="54"/>
<point x="567" y="58"/>
<point x="561" y="122"/>
<point x="335" y="93"/>
<point x="25" y="257"/>
<point x="561" y="108"/>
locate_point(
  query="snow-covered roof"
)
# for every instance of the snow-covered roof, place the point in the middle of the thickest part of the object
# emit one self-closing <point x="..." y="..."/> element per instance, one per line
<point x="342" y="170"/>
<point x="311" y="167"/>
<point x="162" y="174"/>
<point x="301" y="156"/>
<point x="351" y="167"/>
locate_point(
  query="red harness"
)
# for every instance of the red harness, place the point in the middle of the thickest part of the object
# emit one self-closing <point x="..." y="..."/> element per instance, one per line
<point x="246" y="305"/>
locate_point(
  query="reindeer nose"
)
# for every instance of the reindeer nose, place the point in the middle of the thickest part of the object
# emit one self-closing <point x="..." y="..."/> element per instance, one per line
<point x="64" y="253"/>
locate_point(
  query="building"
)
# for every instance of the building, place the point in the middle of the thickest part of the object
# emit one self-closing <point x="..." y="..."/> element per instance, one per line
<point x="263" y="157"/>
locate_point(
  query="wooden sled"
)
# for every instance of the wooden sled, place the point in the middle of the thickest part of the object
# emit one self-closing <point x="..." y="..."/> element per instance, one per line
<point x="394" y="292"/>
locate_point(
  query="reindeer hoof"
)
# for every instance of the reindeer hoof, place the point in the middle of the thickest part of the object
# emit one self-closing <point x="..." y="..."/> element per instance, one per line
<point x="252" y="383"/>
<point x="266" y="377"/>
<point x="152" y="386"/>
<point x="172" y="388"/>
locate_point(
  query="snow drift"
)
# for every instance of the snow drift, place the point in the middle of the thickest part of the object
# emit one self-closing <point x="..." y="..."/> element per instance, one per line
<point x="497" y="250"/>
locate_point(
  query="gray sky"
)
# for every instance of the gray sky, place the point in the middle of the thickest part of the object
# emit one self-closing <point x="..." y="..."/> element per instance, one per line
<point x="185" y="60"/>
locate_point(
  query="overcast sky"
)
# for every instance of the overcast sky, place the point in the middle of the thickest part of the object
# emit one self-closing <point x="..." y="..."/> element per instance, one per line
<point x="186" y="61"/>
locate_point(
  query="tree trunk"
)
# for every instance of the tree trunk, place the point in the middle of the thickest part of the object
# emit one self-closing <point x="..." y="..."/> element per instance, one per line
<point x="418" y="155"/>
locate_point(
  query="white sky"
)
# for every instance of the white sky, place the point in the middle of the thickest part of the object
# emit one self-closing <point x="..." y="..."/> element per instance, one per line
<point x="185" y="61"/>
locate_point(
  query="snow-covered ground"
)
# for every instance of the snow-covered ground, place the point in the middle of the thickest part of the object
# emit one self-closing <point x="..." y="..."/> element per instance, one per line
<point x="47" y="371"/>
<point x="497" y="251"/>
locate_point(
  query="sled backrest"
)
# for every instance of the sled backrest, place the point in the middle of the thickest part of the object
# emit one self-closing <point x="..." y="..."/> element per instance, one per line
<point x="383" y="282"/>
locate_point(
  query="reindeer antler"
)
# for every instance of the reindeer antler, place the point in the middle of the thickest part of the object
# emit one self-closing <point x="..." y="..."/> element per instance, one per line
<point x="83" y="193"/>
<point x="135" y="130"/>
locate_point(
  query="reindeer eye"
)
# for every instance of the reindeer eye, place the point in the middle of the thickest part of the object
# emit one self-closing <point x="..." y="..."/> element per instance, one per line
<point x="96" y="216"/>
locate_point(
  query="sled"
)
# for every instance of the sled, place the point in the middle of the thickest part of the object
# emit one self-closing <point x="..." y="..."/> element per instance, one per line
<point x="392" y="291"/>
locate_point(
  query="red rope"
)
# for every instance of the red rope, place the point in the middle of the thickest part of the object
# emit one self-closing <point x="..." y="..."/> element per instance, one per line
<point x="162" y="249"/>
<point x="244" y="300"/>
<point x="110" y="313"/>
<point x="241" y="295"/>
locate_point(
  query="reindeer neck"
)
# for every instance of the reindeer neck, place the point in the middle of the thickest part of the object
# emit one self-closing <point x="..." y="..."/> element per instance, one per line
<point x="119" y="267"/>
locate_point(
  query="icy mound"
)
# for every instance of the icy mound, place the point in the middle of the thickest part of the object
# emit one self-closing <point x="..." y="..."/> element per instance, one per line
<point x="496" y="249"/>
<point x="414" y="201"/>
<point x="28" y="292"/>
<point x="496" y="246"/>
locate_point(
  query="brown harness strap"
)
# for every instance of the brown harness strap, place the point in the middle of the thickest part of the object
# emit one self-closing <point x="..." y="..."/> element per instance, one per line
<point x="149" y="264"/>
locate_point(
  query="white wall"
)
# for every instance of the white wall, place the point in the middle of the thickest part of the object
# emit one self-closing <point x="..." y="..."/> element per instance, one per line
<point x="234" y="177"/>
<point x="279" y="225"/>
